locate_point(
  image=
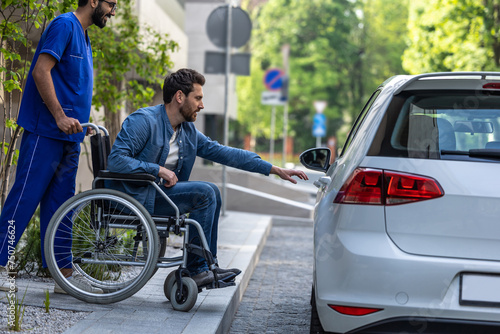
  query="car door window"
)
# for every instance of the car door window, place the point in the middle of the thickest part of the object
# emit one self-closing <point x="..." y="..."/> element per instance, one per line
<point x="359" y="121"/>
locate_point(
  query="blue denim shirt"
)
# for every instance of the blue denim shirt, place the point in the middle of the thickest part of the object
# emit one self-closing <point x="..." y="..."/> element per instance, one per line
<point x="142" y="146"/>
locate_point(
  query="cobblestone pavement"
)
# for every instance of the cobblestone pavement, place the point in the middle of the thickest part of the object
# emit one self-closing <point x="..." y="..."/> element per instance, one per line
<point x="277" y="299"/>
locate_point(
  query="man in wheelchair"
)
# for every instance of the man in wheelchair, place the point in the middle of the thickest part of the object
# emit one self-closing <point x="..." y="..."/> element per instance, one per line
<point x="163" y="141"/>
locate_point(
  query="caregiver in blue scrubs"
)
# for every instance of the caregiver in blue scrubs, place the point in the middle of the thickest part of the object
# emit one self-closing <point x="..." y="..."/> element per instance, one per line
<point x="56" y="99"/>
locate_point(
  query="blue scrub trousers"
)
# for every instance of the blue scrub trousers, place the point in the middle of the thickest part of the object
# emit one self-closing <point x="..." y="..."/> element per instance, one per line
<point x="45" y="175"/>
<point x="202" y="201"/>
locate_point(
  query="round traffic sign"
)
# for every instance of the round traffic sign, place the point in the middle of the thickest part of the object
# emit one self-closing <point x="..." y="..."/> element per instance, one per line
<point x="273" y="79"/>
<point x="217" y="27"/>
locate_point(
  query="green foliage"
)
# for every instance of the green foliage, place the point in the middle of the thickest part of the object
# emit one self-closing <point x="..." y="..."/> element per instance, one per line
<point x="46" y="302"/>
<point x="19" y="308"/>
<point x="450" y="35"/>
<point x="384" y="28"/>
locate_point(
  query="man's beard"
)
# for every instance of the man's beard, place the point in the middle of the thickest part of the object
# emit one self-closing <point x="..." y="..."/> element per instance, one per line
<point x="188" y="117"/>
<point x="98" y="17"/>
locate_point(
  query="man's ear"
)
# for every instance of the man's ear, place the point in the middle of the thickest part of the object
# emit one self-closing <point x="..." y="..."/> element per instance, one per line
<point x="94" y="3"/>
<point x="179" y="96"/>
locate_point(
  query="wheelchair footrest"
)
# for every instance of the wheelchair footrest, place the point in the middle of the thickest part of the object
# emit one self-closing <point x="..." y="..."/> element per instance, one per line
<point x="217" y="285"/>
<point x="225" y="284"/>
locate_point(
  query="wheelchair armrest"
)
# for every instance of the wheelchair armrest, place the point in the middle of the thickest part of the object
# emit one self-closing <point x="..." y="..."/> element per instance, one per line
<point x="135" y="177"/>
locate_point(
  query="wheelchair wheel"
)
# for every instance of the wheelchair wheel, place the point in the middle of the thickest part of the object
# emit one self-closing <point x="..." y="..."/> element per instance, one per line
<point x="110" y="242"/>
<point x="184" y="301"/>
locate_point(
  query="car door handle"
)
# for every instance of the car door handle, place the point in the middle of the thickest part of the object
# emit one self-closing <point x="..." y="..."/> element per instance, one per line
<point x="322" y="181"/>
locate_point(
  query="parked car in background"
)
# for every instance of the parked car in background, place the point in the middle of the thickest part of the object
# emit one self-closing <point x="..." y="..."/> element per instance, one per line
<point x="407" y="219"/>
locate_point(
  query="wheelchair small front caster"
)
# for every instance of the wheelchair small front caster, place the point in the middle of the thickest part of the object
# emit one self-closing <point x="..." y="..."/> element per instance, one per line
<point x="184" y="300"/>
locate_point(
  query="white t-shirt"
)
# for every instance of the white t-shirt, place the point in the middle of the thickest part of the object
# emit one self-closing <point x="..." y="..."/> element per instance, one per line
<point x="173" y="154"/>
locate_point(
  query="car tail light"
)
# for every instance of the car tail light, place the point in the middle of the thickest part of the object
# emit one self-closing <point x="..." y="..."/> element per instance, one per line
<point x="492" y="85"/>
<point x="381" y="187"/>
<point x="355" y="311"/>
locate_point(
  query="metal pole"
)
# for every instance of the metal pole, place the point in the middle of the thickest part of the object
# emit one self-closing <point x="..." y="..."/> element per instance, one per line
<point x="285" y="49"/>
<point x="318" y="141"/>
<point x="285" y="132"/>
<point x="271" y="144"/>
<point x="226" y="102"/>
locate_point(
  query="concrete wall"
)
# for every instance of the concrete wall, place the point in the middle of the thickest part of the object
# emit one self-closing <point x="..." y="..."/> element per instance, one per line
<point x="167" y="17"/>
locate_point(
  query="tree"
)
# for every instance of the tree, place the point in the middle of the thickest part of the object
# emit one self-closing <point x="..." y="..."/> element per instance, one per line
<point x="323" y="36"/>
<point x="384" y="29"/>
<point x="450" y="35"/>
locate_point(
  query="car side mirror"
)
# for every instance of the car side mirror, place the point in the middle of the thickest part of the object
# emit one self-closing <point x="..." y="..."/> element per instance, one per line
<point x="316" y="159"/>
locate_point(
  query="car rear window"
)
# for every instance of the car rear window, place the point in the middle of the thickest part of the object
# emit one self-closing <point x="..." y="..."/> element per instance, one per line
<point x="457" y="125"/>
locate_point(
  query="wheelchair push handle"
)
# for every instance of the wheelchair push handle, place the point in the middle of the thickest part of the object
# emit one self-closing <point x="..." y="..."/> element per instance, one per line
<point x="96" y="128"/>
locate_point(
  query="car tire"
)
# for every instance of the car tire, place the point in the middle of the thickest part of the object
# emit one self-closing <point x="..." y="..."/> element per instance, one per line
<point x="316" y="327"/>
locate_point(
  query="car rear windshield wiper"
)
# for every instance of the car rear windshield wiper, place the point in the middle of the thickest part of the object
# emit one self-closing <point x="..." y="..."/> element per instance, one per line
<point x="485" y="152"/>
<point x="479" y="153"/>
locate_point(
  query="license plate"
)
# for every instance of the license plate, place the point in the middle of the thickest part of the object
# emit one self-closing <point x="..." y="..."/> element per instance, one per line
<point x="480" y="290"/>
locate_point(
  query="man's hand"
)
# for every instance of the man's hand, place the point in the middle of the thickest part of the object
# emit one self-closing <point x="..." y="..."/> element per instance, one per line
<point x="169" y="177"/>
<point x="286" y="174"/>
<point x="69" y="125"/>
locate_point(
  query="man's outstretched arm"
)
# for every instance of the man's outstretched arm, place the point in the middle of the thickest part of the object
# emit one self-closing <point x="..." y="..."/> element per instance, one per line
<point x="286" y="174"/>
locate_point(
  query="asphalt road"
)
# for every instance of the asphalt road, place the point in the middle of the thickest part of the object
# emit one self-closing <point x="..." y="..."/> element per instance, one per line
<point x="277" y="299"/>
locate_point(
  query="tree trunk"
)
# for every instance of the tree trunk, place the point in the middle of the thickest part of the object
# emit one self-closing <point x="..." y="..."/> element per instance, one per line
<point x="8" y="164"/>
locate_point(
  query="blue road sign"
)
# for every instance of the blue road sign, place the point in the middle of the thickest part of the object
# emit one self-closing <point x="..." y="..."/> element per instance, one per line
<point x="273" y="79"/>
<point x="319" y="125"/>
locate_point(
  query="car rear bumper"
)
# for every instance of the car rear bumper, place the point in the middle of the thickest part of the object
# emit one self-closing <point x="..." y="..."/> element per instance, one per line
<point x="424" y="325"/>
<point x="362" y="267"/>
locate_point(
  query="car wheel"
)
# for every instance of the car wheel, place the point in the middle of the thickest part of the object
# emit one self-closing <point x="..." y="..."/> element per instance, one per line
<point x="316" y="327"/>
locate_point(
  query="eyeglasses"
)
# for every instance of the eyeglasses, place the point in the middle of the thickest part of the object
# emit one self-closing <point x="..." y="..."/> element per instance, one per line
<point x="112" y="4"/>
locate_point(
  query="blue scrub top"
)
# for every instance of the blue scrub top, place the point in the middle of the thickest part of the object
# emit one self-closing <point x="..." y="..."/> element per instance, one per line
<point x="67" y="42"/>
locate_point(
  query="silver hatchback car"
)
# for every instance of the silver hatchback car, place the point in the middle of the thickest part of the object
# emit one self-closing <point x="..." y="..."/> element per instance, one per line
<point x="407" y="218"/>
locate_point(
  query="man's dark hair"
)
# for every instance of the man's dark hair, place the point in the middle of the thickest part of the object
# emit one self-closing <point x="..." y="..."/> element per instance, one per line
<point x="82" y="3"/>
<point x="182" y="80"/>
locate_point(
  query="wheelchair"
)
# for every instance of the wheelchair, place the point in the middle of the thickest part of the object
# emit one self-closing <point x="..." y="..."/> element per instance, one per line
<point x="115" y="246"/>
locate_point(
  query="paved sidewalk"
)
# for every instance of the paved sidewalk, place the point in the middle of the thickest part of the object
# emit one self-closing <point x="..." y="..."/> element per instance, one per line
<point x="241" y="239"/>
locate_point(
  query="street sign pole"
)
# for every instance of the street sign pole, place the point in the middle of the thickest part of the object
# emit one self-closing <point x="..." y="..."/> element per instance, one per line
<point x="234" y="32"/>
<point x="271" y="144"/>
<point x="226" y="104"/>
<point x="285" y="53"/>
